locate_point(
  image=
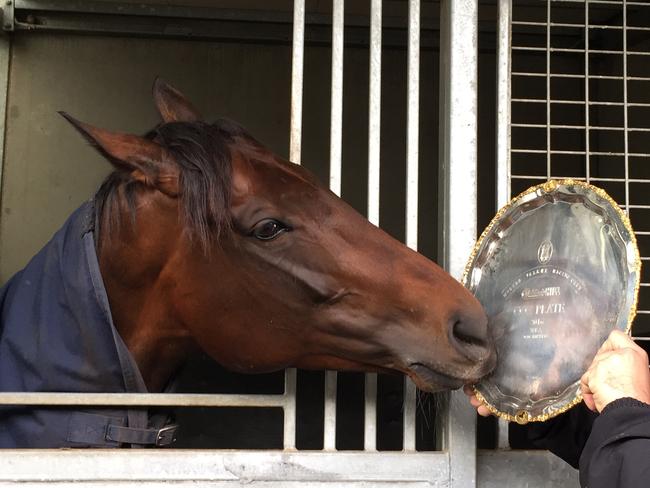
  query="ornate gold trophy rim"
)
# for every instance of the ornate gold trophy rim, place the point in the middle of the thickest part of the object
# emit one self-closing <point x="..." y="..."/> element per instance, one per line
<point x="523" y="416"/>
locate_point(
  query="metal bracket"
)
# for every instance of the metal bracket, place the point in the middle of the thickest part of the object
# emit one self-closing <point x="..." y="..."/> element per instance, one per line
<point x="8" y="15"/>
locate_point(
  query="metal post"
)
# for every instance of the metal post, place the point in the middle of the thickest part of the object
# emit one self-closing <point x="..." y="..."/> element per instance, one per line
<point x="503" y="102"/>
<point x="458" y="157"/>
<point x="295" y="139"/>
<point x="503" y="138"/>
<point x="289" y="435"/>
<point x="412" y="166"/>
<point x="336" y="139"/>
<point x="374" y="144"/>
<point x="297" y="57"/>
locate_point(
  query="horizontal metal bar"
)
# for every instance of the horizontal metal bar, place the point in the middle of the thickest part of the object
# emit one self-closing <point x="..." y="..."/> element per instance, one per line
<point x="142" y="399"/>
<point x="139" y="9"/>
<point x="580" y="76"/>
<point x="271" y="469"/>
<point x="579" y="26"/>
<point x="582" y="178"/>
<point x="621" y="180"/>
<point x="580" y="127"/>
<point x="593" y="153"/>
<point x="501" y="468"/>
<point x="578" y="51"/>
<point x="210" y="29"/>
<point x="580" y="102"/>
<point x="186" y="468"/>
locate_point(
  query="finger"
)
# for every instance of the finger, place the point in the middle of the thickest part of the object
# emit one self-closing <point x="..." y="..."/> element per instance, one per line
<point x="584" y="381"/>
<point x="589" y="401"/>
<point x="483" y="411"/>
<point x="587" y="394"/>
<point x="468" y="390"/>
<point x="475" y="402"/>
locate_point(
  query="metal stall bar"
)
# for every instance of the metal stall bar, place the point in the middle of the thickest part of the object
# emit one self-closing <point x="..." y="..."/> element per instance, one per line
<point x="503" y="138"/>
<point x="374" y="142"/>
<point x="412" y="167"/>
<point x="336" y="139"/>
<point x="625" y="113"/>
<point x="458" y="158"/>
<point x="586" y="98"/>
<point x="289" y="409"/>
<point x="503" y="102"/>
<point x="145" y="399"/>
<point x="548" y="90"/>
<point x="297" y="62"/>
<point x="295" y="140"/>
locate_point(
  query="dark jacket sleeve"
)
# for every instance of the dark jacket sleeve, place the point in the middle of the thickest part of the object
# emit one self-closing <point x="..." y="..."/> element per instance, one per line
<point x="564" y="435"/>
<point x="617" y="453"/>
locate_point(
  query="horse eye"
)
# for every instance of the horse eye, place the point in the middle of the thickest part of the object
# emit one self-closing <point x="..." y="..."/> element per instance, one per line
<point x="269" y="229"/>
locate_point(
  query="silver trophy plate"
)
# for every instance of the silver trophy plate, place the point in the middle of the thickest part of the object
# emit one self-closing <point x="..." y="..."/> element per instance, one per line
<point x="556" y="270"/>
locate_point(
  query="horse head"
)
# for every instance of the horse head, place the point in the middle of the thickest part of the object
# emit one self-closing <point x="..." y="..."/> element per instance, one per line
<point x="206" y="238"/>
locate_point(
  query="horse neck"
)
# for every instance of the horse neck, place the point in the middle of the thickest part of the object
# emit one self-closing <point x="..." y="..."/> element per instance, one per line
<point x="137" y="263"/>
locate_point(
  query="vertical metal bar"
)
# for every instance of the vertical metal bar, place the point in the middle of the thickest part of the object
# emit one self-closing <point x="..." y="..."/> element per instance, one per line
<point x="412" y="166"/>
<point x="458" y="156"/>
<point x="336" y="131"/>
<point x="548" y="89"/>
<point x="374" y="165"/>
<point x="297" y="58"/>
<point x="503" y="101"/>
<point x="336" y="125"/>
<point x="412" y="124"/>
<point x="625" y="111"/>
<point x="370" y="413"/>
<point x="295" y="139"/>
<point x="290" y="409"/>
<point x="504" y="63"/>
<point x="587" y="118"/>
<point x="329" y="427"/>
<point x="410" y="394"/>
<point x="374" y="112"/>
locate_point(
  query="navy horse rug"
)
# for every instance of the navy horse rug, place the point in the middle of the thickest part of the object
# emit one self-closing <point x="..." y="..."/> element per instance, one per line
<point x="57" y="335"/>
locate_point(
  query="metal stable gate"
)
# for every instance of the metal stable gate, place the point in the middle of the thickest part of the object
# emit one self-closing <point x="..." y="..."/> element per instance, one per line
<point x="457" y="463"/>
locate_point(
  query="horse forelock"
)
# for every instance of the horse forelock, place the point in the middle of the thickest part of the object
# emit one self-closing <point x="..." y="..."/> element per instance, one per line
<point x="202" y="153"/>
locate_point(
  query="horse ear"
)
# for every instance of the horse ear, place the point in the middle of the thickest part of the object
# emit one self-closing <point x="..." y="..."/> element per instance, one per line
<point x="147" y="161"/>
<point x="172" y="104"/>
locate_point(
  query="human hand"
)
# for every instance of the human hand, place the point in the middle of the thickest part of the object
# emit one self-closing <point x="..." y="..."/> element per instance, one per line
<point x="481" y="409"/>
<point x="619" y="370"/>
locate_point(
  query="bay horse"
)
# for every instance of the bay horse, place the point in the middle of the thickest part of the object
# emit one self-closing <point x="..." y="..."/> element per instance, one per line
<point x="201" y="237"/>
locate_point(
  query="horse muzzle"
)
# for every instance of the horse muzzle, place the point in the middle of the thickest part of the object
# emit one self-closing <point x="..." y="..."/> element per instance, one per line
<point x="432" y="379"/>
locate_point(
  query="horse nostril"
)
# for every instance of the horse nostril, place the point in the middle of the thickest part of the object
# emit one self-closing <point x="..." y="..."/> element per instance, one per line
<point x="470" y="335"/>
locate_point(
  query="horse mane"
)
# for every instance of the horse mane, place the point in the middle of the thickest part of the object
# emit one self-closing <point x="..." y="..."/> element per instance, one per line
<point x="202" y="153"/>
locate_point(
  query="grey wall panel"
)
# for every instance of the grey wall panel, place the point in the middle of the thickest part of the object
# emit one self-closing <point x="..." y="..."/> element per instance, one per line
<point x="49" y="170"/>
